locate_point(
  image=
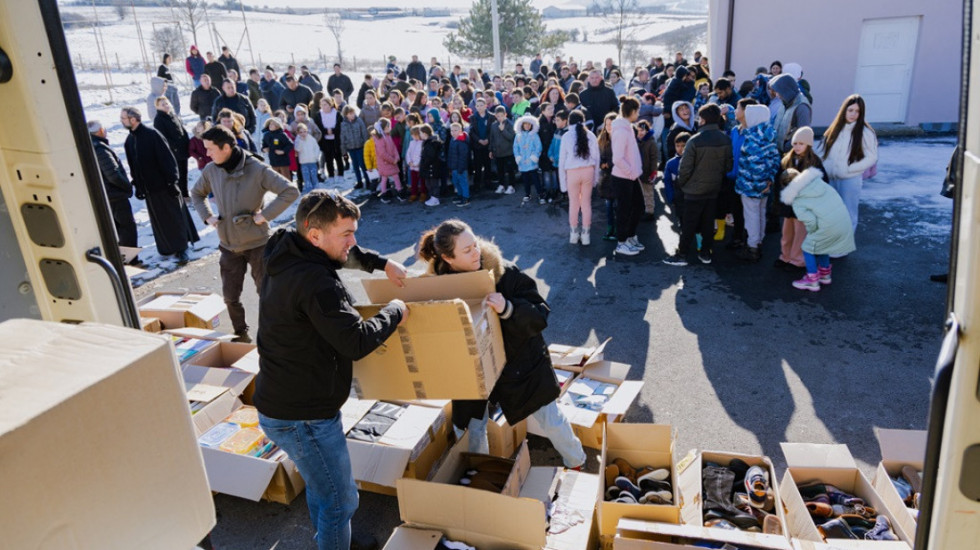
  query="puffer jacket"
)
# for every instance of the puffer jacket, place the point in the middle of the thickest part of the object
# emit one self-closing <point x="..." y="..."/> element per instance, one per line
<point x="430" y="165"/>
<point x="387" y="155"/>
<point x="650" y="155"/>
<point x="527" y="144"/>
<point x="370" y="114"/>
<point x="707" y="158"/>
<point x="352" y="134"/>
<point x="820" y="208"/>
<point x="758" y="159"/>
<point x="370" y="158"/>
<point x="458" y="159"/>
<point x="501" y="140"/>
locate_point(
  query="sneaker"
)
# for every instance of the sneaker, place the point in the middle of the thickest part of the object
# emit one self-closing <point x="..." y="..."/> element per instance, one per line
<point x="400" y="195"/>
<point x="881" y="531"/>
<point x="500" y="190"/>
<point x="573" y="236"/>
<point x="423" y="197"/>
<point x="810" y="281"/>
<point x="675" y="259"/>
<point x="464" y="202"/>
<point x="624" y="249"/>
<point x="610" y="234"/>
<point x="541" y="200"/>
<point x="433" y="201"/>
<point x="705" y="256"/>
<point x="635" y="243"/>
<point x="525" y="200"/>
<point x="823" y="275"/>
<point x="510" y="190"/>
<point x="584" y="236"/>
<point x="757" y="486"/>
<point x="383" y="197"/>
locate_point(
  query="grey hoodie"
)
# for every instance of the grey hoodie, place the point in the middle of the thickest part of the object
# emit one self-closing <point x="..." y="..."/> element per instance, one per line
<point x="156" y="90"/>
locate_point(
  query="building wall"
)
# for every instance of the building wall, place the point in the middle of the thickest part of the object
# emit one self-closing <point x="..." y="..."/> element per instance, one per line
<point x="824" y="36"/>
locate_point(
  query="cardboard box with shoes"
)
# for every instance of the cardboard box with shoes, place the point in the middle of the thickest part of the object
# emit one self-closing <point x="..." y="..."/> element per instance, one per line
<point x="450" y="347"/>
<point x="899" y="449"/>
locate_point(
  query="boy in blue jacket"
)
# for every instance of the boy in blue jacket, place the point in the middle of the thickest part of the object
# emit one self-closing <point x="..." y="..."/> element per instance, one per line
<point x="458" y="162"/>
<point x="671" y="195"/>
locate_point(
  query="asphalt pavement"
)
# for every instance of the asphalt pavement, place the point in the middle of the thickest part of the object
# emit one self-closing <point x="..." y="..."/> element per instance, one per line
<point x="731" y="355"/>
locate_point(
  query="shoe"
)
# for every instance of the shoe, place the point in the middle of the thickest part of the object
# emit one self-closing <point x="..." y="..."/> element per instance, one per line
<point x="573" y="236"/>
<point x="413" y="198"/>
<point x="748" y="254"/>
<point x="541" y="200"/>
<point x="735" y="244"/>
<point x="705" y="256"/>
<point x="757" y="486"/>
<point x="525" y="200"/>
<point x="635" y="243"/>
<point x="510" y="190"/>
<point x="720" y="230"/>
<point x="242" y="337"/>
<point x="943" y="278"/>
<point x="657" y="497"/>
<point x="836" y="529"/>
<point x="400" y="195"/>
<point x="500" y="190"/>
<point x="652" y="474"/>
<point x="586" y="239"/>
<point x="624" y="469"/>
<point x="881" y="531"/>
<point x="423" y="196"/>
<point x="647" y="217"/>
<point x="675" y="259"/>
<point x="624" y="249"/>
<point x="820" y="510"/>
<point x="652" y="485"/>
<point x="383" y="197"/>
<point x="810" y="281"/>
<point x="610" y="234"/>
<point x="779" y="264"/>
<point x="612" y="492"/>
<point x="626" y="498"/>
<point x="464" y="202"/>
<point x="183" y="258"/>
<point x="433" y="201"/>
<point x="627" y="486"/>
<point x="823" y="275"/>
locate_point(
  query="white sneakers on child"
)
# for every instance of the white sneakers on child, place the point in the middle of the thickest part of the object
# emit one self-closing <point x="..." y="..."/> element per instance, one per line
<point x="510" y="190"/>
<point x="573" y="236"/>
<point x="500" y="190"/>
<point x="635" y="243"/>
<point x="433" y="201"/>
<point x="584" y="236"/>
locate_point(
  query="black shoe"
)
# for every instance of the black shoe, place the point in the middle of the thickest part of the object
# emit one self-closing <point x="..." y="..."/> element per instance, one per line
<point x="383" y="197"/>
<point x="464" y="202"/>
<point x="363" y="541"/>
<point x="705" y="256"/>
<point x="749" y="254"/>
<point x="735" y="244"/>
<point x="136" y="262"/>
<point x="183" y="258"/>
<point x="676" y="259"/>
<point x="242" y="337"/>
<point x="943" y="278"/>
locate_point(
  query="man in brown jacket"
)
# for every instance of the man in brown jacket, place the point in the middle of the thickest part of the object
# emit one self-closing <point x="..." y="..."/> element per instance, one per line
<point x="239" y="182"/>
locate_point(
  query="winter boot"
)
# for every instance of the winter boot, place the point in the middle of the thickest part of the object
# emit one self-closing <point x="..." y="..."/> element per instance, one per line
<point x="810" y="281"/>
<point x="720" y="229"/>
<point x="824" y="275"/>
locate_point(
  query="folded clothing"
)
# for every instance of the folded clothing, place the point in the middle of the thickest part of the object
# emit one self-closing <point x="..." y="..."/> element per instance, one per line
<point x="376" y="422"/>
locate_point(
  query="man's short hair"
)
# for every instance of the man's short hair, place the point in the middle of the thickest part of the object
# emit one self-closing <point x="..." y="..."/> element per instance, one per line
<point x="133" y="112"/>
<point x="746" y="101"/>
<point x="220" y="136"/>
<point x="710" y="113"/>
<point x="94" y="126"/>
<point x="336" y="64"/>
<point x="723" y="84"/>
<point x="682" y="137"/>
<point x="320" y="208"/>
<point x="290" y="78"/>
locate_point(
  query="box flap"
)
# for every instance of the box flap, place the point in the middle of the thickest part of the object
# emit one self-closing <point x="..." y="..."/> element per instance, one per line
<point x="475" y="285"/>
<point x="236" y="381"/>
<point x="908" y="446"/>
<point x="628" y="437"/>
<point x="577" y="356"/>
<point x="607" y="371"/>
<point x="238" y="475"/>
<point x="201" y="333"/>
<point x="205" y="306"/>
<point x="817" y="455"/>
<point x="412" y="538"/>
<point x="162" y="300"/>
<point x="634" y="528"/>
<point x="249" y="362"/>
<point x="353" y="411"/>
<point x="622" y="400"/>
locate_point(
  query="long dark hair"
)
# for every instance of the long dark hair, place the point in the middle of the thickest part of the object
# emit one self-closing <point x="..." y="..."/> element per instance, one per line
<point x="440" y="241"/>
<point x="857" y="134"/>
<point x="581" y="140"/>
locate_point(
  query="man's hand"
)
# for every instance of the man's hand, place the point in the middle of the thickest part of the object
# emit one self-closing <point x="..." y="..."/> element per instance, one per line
<point x="258" y="218"/>
<point x="212" y="221"/>
<point x="403" y="307"/>
<point x="396" y="272"/>
<point x="497" y="301"/>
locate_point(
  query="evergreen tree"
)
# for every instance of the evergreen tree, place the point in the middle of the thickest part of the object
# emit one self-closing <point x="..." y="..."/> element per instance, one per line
<point x="521" y="32"/>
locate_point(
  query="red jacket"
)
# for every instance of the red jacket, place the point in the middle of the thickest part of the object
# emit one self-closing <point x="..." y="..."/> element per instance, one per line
<point x="199" y="152"/>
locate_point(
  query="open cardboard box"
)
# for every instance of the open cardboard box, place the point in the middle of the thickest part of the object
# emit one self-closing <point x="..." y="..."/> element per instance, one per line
<point x="450" y="347"/>
<point x="275" y="479"/>
<point x="899" y="448"/>
<point x="177" y="309"/>
<point x="410" y="448"/>
<point x="218" y="388"/>
<point x="492" y="521"/>
<point x="97" y="446"/>
<point x="640" y="445"/>
<point x="637" y="534"/>
<point x="576" y="358"/>
<point x="833" y="464"/>
<point x="587" y="424"/>
<point x="505" y="439"/>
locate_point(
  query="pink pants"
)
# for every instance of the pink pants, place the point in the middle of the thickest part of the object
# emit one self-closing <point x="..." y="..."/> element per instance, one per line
<point x="791" y="243"/>
<point x="579" y="182"/>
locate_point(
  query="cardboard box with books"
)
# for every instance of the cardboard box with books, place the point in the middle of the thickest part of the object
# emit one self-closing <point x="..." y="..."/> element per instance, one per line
<point x="177" y="309"/>
<point x="828" y="499"/>
<point x="902" y="455"/>
<point x="97" y="443"/>
<point x="450" y="347"/>
<point x="504" y="505"/>
<point x="598" y="394"/>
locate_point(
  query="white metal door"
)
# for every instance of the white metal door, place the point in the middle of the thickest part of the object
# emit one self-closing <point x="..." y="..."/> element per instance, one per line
<point x="885" y="60"/>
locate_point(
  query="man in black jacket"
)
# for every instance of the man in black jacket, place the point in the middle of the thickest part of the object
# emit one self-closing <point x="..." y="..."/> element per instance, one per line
<point x="339" y="81"/>
<point x="117" y="187"/>
<point x="202" y="98"/>
<point x="598" y="99"/>
<point x="295" y="94"/>
<point x="215" y="69"/>
<point x="228" y="60"/>
<point x="309" y="335"/>
<point x="231" y="99"/>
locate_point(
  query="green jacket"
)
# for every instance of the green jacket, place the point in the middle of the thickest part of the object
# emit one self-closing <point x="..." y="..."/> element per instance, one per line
<point x="820" y="208"/>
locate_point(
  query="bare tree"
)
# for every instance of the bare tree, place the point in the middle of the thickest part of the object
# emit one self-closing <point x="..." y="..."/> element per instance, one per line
<point x="573" y="34"/>
<point x="623" y="16"/>
<point x="335" y="24"/>
<point x="191" y="12"/>
<point x="166" y="40"/>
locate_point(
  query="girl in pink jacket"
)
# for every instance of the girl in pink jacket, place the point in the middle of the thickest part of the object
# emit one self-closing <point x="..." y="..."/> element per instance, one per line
<point x="388" y="157"/>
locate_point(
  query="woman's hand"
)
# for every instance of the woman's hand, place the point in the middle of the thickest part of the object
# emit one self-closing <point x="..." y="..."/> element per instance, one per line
<point x="497" y="301"/>
<point x="396" y="272"/>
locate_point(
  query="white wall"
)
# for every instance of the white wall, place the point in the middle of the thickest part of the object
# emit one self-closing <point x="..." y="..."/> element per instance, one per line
<point x="823" y="37"/>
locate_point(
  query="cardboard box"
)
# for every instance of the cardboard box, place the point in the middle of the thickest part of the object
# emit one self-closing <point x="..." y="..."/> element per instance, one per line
<point x="576" y="358"/>
<point x="150" y="324"/>
<point x="449" y="348"/>
<point x="587" y="424"/>
<point x="204" y="382"/>
<point x="640" y="445"/>
<point x="275" y="479"/>
<point x="410" y="448"/>
<point x="184" y="309"/>
<point x="833" y="464"/>
<point x="96" y="442"/>
<point x="899" y="448"/>
<point x="636" y="534"/>
<point x="505" y="439"/>
<point x="492" y="521"/>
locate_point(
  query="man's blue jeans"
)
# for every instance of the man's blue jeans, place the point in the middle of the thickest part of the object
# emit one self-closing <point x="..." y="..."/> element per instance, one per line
<point x="319" y="449"/>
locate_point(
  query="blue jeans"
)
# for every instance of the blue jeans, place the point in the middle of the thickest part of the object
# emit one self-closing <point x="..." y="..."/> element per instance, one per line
<point x="357" y="164"/>
<point x="310" y="177"/>
<point x="319" y="450"/>
<point x="814" y="261"/>
<point x="850" y="192"/>
<point x="549" y="179"/>
<point x="461" y="183"/>
<point x="556" y="428"/>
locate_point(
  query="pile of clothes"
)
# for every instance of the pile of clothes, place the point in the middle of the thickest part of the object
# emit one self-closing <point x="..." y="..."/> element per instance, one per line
<point x="643" y="485"/>
<point x="839" y="515"/>
<point x="909" y="486"/>
<point x="739" y="496"/>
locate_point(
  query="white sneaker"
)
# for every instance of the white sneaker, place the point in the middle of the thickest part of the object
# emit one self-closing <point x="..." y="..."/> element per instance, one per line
<point x="433" y="201"/>
<point x="525" y="200"/>
<point x="500" y="190"/>
<point x="573" y="236"/>
<point x="635" y="243"/>
<point x="585" y="237"/>
<point x="625" y="249"/>
<point x="510" y="190"/>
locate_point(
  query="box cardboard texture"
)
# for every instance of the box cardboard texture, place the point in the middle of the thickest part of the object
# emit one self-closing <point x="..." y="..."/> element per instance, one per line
<point x="450" y="347"/>
<point x="576" y="358"/>
<point x="588" y="424"/>
<point x="503" y="438"/>
<point x="641" y="445"/>
<point x="177" y="309"/>
<point x="833" y="464"/>
<point x="97" y="449"/>
<point x="899" y="448"/>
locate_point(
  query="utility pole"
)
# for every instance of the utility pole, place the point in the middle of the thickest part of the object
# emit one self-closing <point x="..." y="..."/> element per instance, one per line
<point x="498" y="64"/>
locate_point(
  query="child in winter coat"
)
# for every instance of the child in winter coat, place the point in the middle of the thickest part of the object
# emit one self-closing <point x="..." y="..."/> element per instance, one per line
<point x="502" y="150"/>
<point x="650" y="156"/>
<point x="758" y="164"/>
<point x="527" y="151"/>
<point x="561" y="128"/>
<point x="684" y="121"/>
<point x="431" y="164"/>
<point x="196" y="145"/>
<point x="672" y="196"/>
<point x="277" y="146"/>
<point x="370" y="160"/>
<point x="353" y="135"/>
<point x="262" y="114"/>
<point x="458" y="162"/>
<point x="413" y="157"/>
<point x="388" y="157"/>
<point x="546" y="133"/>
<point x="828" y="224"/>
<point x="800" y="157"/>
<point x="307" y="153"/>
